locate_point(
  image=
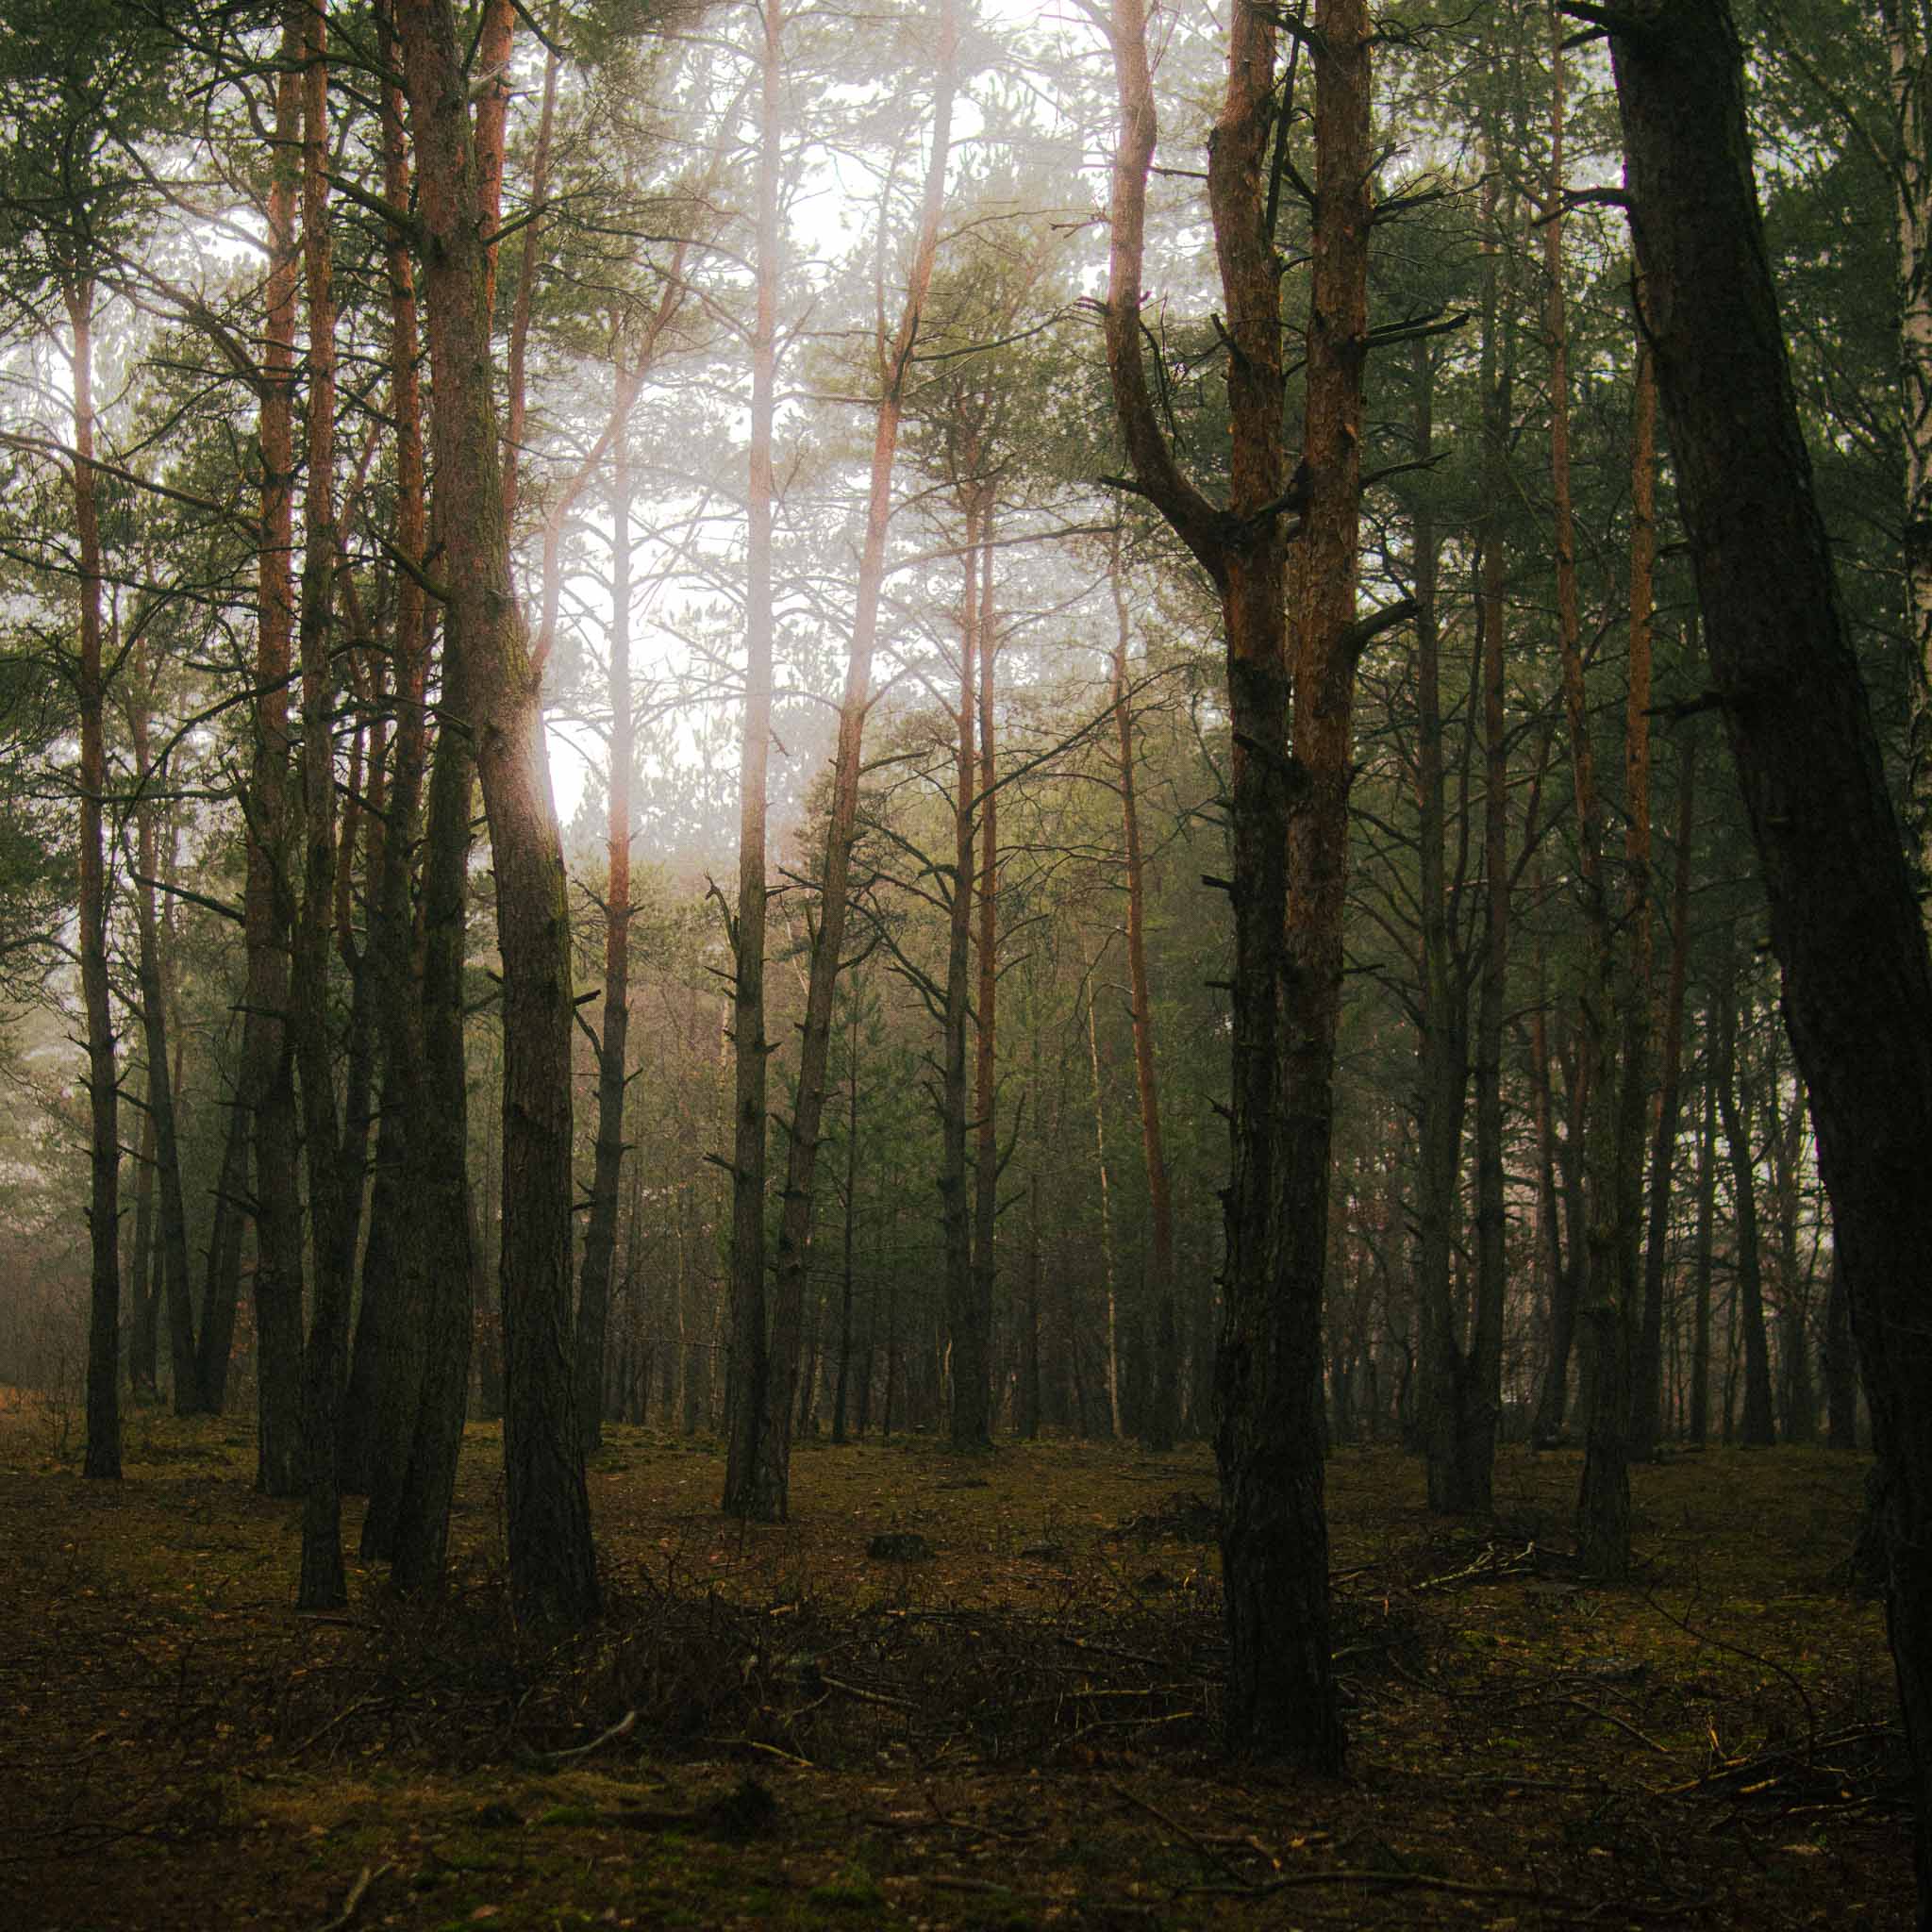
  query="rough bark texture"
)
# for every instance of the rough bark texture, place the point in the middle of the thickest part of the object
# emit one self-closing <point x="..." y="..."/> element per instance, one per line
<point x="986" y="1161"/>
<point x="1289" y="812"/>
<point x="1844" y="922"/>
<point x="1911" y="161"/>
<point x="553" y="1568"/>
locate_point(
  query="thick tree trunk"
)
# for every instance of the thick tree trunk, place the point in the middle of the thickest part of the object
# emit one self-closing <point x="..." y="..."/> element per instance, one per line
<point x="552" y="1561"/>
<point x="841" y="824"/>
<point x="1288" y="810"/>
<point x="103" y="1458"/>
<point x="1911" y="160"/>
<point x="1841" y="1363"/>
<point x="1845" y="923"/>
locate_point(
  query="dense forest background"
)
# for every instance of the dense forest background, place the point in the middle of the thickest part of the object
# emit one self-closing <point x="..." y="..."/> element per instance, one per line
<point x="1078" y="747"/>
<point x="974" y="722"/>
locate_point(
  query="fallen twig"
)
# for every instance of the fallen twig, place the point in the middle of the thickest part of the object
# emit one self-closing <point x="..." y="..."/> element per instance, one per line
<point x="357" y="1893"/>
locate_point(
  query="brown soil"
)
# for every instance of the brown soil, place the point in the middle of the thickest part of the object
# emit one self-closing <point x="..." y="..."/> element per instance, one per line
<point x="1017" y="1730"/>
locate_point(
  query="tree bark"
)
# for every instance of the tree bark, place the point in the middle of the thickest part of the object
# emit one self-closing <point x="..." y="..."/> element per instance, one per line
<point x="1845" y="924"/>
<point x="1288" y="810"/>
<point x="552" y="1561"/>
<point x="986" y="1158"/>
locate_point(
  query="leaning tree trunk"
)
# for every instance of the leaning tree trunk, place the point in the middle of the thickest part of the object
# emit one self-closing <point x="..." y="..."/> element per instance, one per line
<point x="1845" y="922"/>
<point x="552" y="1561"/>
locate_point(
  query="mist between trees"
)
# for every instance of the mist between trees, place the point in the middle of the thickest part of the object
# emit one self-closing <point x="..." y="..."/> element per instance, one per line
<point x="1114" y="577"/>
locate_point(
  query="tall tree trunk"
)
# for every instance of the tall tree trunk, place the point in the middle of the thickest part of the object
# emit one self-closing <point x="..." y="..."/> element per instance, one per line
<point x="103" y="1458"/>
<point x="965" y="1342"/>
<point x="841" y="824"/>
<point x="323" y="1582"/>
<point x="152" y="976"/>
<point x="1911" y="161"/>
<point x="552" y="1561"/>
<point x="600" y="1234"/>
<point x="1759" y="1430"/>
<point x="1604" y="1504"/>
<point x="1841" y="1363"/>
<point x="1108" y="1277"/>
<point x="850" y="1228"/>
<point x="1460" y="1447"/>
<point x="1288" y="808"/>
<point x="758" y="1416"/>
<point x="1647" y="1407"/>
<point x="1845" y="923"/>
<point x="1163" y="1423"/>
<point x="1703" y="1257"/>
<point x="986" y="1159"/>
<point x="267" y="1083"/>
<point x="1497" y="374"/>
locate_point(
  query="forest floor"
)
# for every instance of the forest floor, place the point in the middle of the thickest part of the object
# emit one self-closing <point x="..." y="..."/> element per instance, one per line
<point x="1014" y="1731"/>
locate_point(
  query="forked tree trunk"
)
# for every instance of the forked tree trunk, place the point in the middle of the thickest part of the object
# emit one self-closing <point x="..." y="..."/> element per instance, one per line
<point x="552" y="1561"/>
<point x="1288" y="808"/>
<point x="1845" y="923"/>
